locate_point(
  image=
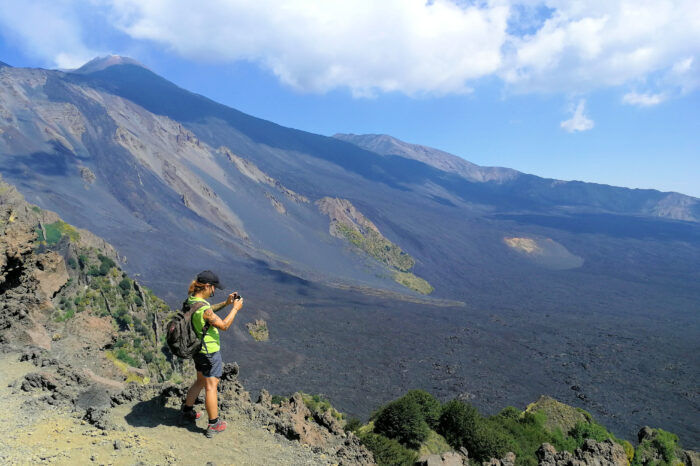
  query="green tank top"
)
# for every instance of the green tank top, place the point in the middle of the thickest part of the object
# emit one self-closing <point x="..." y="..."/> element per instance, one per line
<point x="211" y="339"/>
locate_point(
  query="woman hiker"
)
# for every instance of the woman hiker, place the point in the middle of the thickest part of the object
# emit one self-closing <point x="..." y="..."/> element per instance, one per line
<point x="208" y="361"/>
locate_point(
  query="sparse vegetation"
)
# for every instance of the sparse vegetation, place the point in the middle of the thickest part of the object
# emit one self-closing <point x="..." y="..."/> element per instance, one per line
<point x="258" y="330"/>
<point x="378" y="247"/>
<point x="55" y="231"/>
<point x="320" y="404"/>
<point x="386" y="252"/>
<point x="110" y="293"/>
<point x="413" y="282"/>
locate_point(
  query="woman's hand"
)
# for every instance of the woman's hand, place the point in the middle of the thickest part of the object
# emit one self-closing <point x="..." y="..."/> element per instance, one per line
<point x="231" y="298"/>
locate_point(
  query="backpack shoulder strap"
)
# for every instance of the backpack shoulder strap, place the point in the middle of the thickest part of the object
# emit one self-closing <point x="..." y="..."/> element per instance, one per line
<point x="194" y="307"/>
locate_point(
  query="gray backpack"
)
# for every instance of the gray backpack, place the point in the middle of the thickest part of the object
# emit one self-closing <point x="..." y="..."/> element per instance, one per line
<point x="180" y="335"/>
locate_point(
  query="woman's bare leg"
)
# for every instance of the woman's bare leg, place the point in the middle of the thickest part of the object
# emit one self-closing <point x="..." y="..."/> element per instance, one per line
<point x="210" y="397"/>
<point x="195" y="389"/>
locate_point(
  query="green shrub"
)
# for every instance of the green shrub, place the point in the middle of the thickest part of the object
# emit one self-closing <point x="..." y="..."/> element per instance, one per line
<point x="462" y="426"/>
<point x="352" y="425"/>
<point x="278" y="399"/>
<point x="663" y="445"/>
<point x="56" y="230"/>
<point x="526" y="432"/>
<point x="402" y="420"/>
<point x="125" y="284"/>
<point x="124" y="356"/>
<point x="430" y="407"/>
<point x="388" y="452"/>
<point x="72" y="263"/>
<point x="593" y="430"/>
<point x="457" y="421"/>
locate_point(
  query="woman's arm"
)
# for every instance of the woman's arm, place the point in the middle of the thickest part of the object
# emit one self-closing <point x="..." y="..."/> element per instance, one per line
<point x="216" y="321"/>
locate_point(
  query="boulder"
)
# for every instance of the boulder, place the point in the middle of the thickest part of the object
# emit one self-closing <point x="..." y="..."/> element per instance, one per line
<point x="507" y="460"/>
<point x="591" y="453"/>
<point x="51" y="273"/>
<point x="692" y="458"/>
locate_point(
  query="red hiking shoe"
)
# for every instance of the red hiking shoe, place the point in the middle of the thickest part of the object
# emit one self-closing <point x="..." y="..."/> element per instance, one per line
<point x="212" y="429"/>
<point x="191" y="415"/>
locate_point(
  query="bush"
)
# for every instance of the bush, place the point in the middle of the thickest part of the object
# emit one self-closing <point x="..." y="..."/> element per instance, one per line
<point x="430" y="407"/>
<point x="388" y="452"/>
<point x="462" y="426"/>
<point x="125" y="284"/>
<point x="124" y="356"/>
<point x="593" y="430"/>
<point x="663" y="445"/>
<point x="457" y="421"/>
<point x="402" y="420"/>
<point x="352" y="425"/>
<point x="525" y="433"/>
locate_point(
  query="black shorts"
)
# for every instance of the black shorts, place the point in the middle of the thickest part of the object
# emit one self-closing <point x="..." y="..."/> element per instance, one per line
<point x="210" y="365"/>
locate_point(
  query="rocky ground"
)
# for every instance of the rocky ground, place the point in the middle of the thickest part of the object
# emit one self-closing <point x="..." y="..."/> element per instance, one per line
<point x="144" y="427"/>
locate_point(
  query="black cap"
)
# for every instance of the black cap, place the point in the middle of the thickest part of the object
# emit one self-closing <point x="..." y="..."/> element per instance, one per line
<point x="208" y="277"/>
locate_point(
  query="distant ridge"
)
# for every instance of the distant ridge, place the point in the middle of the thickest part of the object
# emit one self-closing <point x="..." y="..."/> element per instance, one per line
<point x="387" y="145"/>
<point x="4" y="64"/>
<point x="101" y="63"/>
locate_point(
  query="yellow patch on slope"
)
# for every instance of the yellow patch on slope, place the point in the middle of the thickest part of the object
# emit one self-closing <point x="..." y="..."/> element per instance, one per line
<point x="527" y="245"/>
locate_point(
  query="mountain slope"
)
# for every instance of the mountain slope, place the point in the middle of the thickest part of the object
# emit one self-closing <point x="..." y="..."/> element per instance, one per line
<point x="387" y="145"/>
<point x="556" y="192"/>
<point x="178" y="183"/>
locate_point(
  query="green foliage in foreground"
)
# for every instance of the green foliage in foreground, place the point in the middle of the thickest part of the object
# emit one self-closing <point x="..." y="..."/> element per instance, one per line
<point x="403" y="421"/>
<point x="320" y="404"/>
<point x="659" y="451"/>
<point x="526" y="432"/>
<point x="430" y="407"/>
<point x="463" y="426"/>
<point x="403" y="426"/>
<point x="388" y="452"/>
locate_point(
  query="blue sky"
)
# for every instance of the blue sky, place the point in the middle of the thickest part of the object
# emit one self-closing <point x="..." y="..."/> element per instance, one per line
<point x="601" y="91"/>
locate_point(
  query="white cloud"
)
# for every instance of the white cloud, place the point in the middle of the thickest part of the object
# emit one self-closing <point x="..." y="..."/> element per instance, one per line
<point x="48" y="29"/>
<point x="365" y="45"/>
<point x="579" y="121"/>
<point x="643" y="100"/>
<point x="595" y="44"/>
<point x="409" y="46"/>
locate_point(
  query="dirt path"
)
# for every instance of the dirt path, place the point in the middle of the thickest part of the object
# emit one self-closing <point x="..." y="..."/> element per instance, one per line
<point x="152" y="435"/>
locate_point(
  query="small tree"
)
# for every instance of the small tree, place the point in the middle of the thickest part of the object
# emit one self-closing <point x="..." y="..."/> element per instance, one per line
<point x="462" y="426"/>
<point x="402" y="420"/>
<point x="388" y="452"/>
<point x="430" y="407"/>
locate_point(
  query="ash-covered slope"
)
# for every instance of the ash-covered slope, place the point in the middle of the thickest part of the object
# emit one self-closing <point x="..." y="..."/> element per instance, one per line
<point x="148" y="183"/>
